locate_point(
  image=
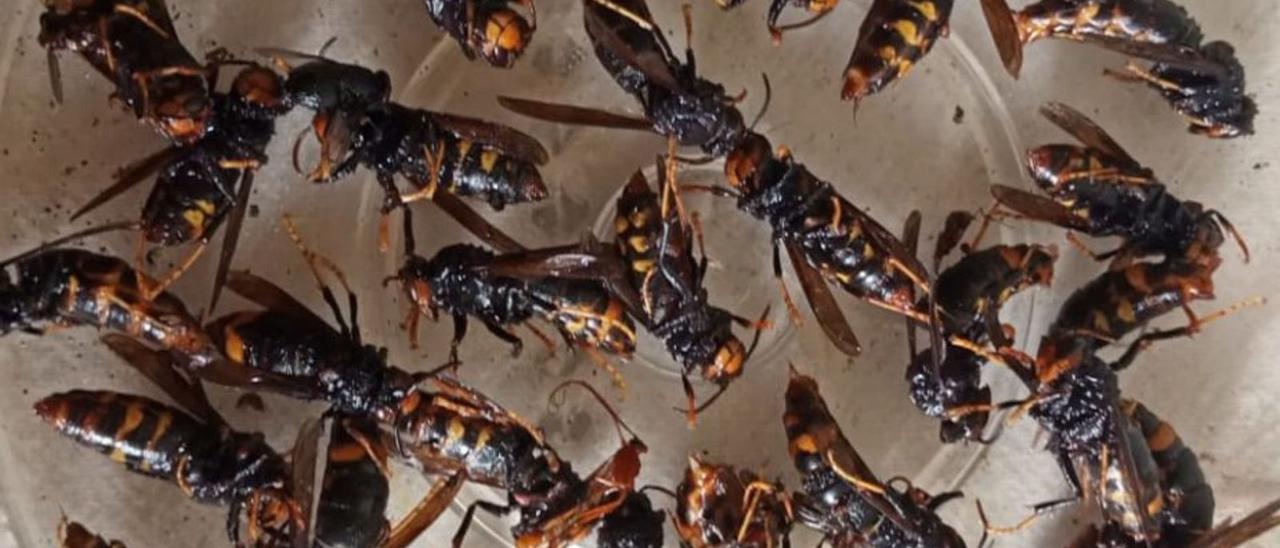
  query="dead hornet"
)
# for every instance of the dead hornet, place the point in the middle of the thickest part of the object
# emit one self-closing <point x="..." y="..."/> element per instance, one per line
<point x="205" y="183"/>
<point x="435" y="151"/>
<point x="486" y="28"/>
<point x="1204" y="82"/>
<point x="573" y="507"/>
<point x="57" y="287"/>
<point x="677" y="102"/>
<point x="1119" y="302"/>
<point x="842" y="499"/>
<point x="893" y="38"/>
<point x="1099" y="190"/>
<point x="452" y="431"/>
<point x="718" y="505"/>
<point x="73" y="535"/>
<point x="653" y="271"/>
<point x="286" y="348"/>
<point x="455" y="280"/>
<point x="1102" y="454"/>
<point x="198" y="452"/>
<point x="967" y="297"/>
<point x="827" y="238"/>
<point x="1149" y="485"/>
<point x="133" y="43"/>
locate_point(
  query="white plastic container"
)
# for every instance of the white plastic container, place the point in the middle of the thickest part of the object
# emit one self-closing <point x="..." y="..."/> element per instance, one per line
<point x="933" y="142"/>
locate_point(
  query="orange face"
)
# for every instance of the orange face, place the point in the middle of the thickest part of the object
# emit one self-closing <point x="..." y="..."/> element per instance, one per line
<point x="419" y="293"/>
<point x="506" y="34"/>
<point x="184" y="115"/>
<point x="728" y="362"/>
<point x="259" y="86"/>
<point x="741" y="164"/>
<point x="1057" y="356"/>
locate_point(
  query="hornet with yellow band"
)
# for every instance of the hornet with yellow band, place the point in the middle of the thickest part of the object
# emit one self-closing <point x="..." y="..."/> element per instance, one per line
<point x="968" y="296"/>
<point x="660" y="264"/>
<point x="1119" y="302"/>
<point x="1204" y="82"/>
<point x="452" y="431"/>
<point x="488" y="29"/>
<point x="565" y="508"/>
<point x="195" y="449"/>
<point x="133" y="43"/>
<point x="840" y="496"/>
<point x="209" y="463"/>
<point x="204" y="184"/>
<point x="1186" y="512"/>
<point x="678" y="103"/>
<point x="456" y="280"/>
<point x="1098" y="189"/>
<point x="893" y="38"/>
<point x="827" y="238"/>
<point x="305" y="357"/>
<point x="652" y="269"/>
<point x="1148" y="484"/>
<point x="56" y="287"/>
<point x="436" y="152"/>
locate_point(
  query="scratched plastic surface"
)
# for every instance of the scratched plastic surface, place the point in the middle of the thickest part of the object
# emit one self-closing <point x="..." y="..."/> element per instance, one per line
<point x="933" y="142"/>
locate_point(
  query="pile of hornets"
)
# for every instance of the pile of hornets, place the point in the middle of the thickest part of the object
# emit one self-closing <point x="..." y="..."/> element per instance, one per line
<point x="1148" y="485"/>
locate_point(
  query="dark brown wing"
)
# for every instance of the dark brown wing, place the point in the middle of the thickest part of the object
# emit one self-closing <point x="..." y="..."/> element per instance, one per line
<point x="231" y="237"/>
<point x="653" y="63"/>
<point x="475" y="223"/>
<point x="1175" y="55"/>
<point x="1086" y="131"/>
<point x="952" y="232"/>
<point x="823" y="303"/>
<point x="158" y="367"/>
<point x="158" y="13"/>
<point x="271" y="297"/>
<point x="1004" y="31"/>
<point x="302" y="462"/>
<point x="911" y="232"/>
<point x="509" y="140"/>
<point x="1129" y="469"/>
<point x="426" y="512"/>
<point x="1230" y="534"/>
<point x="590" y="260"/>
<point x="569" y="114"/>
<point x="911" y="238"/>
<point x="1038" y="207"/>
<point x="128" y="177"/>
<point x="55" y="74"/>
